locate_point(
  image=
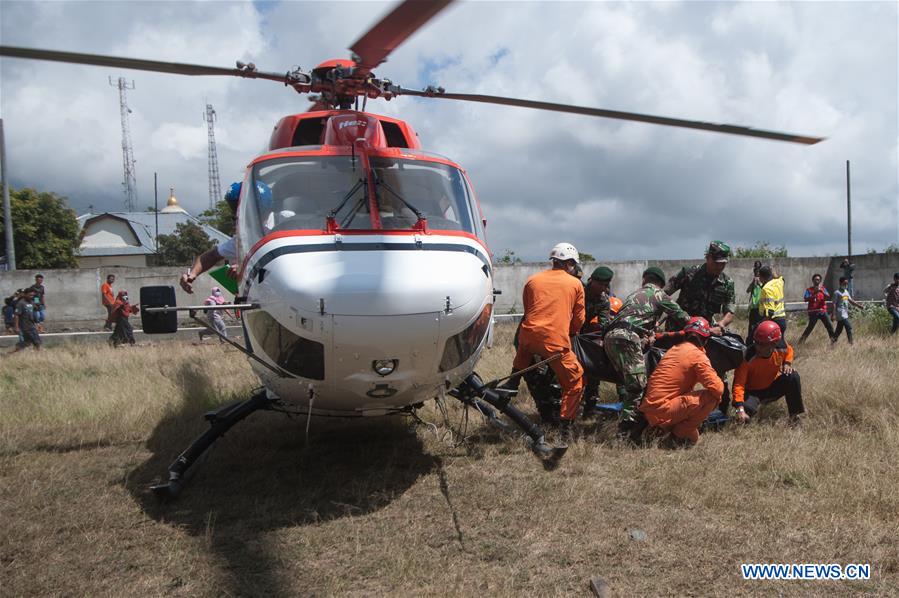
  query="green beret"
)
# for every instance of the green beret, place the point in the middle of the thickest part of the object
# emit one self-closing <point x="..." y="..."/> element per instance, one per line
<point x="657" y="272"/>
<point x="718" y="250"/>
<point x="602" y="273"/>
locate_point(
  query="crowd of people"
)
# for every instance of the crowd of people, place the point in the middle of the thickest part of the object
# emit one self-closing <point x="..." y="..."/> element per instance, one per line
<point x="25" y="311"/>
<point x="557" y="306"/>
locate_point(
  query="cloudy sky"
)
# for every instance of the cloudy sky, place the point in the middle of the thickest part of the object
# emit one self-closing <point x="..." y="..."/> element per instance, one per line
<point x="617" y="190"/>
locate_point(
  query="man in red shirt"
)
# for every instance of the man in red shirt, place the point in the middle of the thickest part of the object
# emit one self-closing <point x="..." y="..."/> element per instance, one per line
<point x="670" y="403"/>
<point x="766" y="375"/>
<point x="553" y="311"/>
<point x="816" y="296"/>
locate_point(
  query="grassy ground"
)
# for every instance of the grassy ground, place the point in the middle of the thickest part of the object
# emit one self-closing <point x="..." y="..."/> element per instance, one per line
<point x="386" y="506"/>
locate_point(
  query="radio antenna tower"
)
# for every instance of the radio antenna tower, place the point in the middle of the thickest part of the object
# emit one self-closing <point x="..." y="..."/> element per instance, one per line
<point x="215" y="183"/>
<point x="129" y="184"/>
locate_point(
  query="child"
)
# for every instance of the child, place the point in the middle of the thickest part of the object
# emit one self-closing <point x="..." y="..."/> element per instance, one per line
<point x="218" y="321"/>
<point x="841" y="301"/>
<point x="121" y="310"/>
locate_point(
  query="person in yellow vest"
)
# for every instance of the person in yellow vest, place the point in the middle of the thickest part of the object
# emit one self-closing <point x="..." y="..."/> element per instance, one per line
<point x="771" y="302"/>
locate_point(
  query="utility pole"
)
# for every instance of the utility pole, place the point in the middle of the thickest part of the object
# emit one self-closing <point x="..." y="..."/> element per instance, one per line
<point x="215" y="184"/>
<point x="129" y="184"/>
<point x="7" y="211"/>
<point x="848" y="215"/>
<point x="156" y="211"/>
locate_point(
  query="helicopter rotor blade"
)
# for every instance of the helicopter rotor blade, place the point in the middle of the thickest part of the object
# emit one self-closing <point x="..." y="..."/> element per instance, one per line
<point x="616" y="114"/>
<point x="177" y="68"/>
<point x="373" y="47"/>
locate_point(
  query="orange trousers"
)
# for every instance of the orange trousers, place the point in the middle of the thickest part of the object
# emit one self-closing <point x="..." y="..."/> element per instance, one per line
<point x="682" y="415"/>
<point x="568" y="370"/>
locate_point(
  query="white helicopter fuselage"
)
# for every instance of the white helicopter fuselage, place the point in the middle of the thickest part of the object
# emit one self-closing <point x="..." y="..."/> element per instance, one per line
<point x="364" y="299"/>
<point x="370" y="270"/>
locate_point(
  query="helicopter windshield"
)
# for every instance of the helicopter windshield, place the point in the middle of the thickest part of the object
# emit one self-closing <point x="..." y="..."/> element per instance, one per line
<point x="437" y="191"/>
<point x="300" y="193"/>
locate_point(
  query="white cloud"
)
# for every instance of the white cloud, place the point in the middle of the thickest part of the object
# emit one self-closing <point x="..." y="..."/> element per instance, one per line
<point x="617" y="189"/>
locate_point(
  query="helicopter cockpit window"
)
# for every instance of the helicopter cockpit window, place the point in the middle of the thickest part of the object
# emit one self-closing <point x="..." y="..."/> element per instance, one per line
<point x="298" y="193"/>
<point x="436" y="191"/>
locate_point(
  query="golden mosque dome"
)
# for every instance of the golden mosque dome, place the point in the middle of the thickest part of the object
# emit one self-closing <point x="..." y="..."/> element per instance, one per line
<point x="172" y="204"/>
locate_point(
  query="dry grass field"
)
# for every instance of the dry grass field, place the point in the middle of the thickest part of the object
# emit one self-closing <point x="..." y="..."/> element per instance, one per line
<point x="388" y="506"/>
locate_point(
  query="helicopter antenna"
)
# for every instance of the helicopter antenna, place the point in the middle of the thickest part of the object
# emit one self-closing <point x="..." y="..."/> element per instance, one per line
<point x="129" y="183"/>
<point x="215" y="183"/>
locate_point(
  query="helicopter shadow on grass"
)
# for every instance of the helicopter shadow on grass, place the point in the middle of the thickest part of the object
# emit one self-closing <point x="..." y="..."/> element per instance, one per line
<point x="263" y="476"/>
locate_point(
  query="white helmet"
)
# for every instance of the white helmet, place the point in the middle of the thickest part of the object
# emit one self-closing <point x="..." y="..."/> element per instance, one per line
<point x="565" y="251"/>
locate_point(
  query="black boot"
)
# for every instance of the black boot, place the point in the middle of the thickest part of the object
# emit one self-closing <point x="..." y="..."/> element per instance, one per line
<point x="640" y="425"/>
<point x="566" y="433"/>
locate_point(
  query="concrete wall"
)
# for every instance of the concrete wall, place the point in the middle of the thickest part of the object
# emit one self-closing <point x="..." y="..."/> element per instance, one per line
<point x="112" y="261"/>
<point x="74" y="295"/>
<point x="872" y="273"/>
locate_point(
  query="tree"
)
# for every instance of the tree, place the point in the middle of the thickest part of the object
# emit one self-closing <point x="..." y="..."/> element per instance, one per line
<point x="586" y="257"/>
<point x="761" y="249"/>
<point x="221" y="217"/>
<point x="45" y="231"/>
<point x="508" y="258"/>
<point x="891" y="248"/>
<point x="181" y="248"/>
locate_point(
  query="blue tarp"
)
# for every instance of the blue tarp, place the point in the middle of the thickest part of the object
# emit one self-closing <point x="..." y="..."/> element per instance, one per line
<point x="714" y="420"/>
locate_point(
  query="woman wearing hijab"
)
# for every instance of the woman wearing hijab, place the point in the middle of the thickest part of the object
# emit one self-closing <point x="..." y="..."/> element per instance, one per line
<point x="216" y="316"/>
<point x="121" y="311"/>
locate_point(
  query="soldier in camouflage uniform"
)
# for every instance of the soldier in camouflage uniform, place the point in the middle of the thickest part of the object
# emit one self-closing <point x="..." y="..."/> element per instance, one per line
<point x="630" y="331"/>
<point x="597" y="294"/>
<point x="706" y="291"/>
<point x="598" y="315"/>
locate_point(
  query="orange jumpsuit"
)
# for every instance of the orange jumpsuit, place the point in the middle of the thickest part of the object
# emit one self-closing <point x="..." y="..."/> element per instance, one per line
<point x="757" y="373"/>
<point x="553" y="310"/>
<point x="670" y="402"/>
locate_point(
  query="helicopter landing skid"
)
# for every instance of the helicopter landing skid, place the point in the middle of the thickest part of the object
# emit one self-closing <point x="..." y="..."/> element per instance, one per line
<point x="220" y="422"/>
<point x="475" y="393"/>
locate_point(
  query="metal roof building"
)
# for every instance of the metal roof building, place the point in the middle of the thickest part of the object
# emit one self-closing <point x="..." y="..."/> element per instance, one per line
<point x="127" y="238"/>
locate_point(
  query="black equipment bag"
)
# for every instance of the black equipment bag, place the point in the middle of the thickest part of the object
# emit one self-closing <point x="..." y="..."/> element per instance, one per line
<point x="726" y="352"/>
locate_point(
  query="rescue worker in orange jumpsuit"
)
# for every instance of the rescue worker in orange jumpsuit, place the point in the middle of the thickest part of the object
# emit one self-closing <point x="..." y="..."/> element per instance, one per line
<point x="766" y="375"/>
<point x="553" y="311"/>
<point x="670" y="403"/>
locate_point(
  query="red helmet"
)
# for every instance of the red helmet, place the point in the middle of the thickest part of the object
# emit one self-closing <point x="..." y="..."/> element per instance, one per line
<point x="767" y="332"/>
<point x="698" y="326"/>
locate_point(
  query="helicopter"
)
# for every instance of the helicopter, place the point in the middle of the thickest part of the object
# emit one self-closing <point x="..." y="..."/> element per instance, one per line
<point x="364" y="278"/>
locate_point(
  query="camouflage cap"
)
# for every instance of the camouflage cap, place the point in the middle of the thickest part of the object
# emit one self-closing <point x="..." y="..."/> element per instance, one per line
<point x="602" y="273"/>
<point x="719" y="251"/>
<point x="656" y="272"/>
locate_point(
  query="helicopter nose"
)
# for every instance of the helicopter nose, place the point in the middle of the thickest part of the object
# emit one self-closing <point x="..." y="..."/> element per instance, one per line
<point x="364" y="310"/>
<point x="359" y="281"/>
